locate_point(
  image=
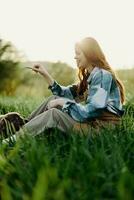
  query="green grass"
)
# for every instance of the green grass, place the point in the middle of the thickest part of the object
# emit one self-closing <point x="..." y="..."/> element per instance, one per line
<point x="68" y="166"/>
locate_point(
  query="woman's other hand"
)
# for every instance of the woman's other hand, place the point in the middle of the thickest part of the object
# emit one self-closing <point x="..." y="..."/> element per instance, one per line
<point x="56" y="103"/>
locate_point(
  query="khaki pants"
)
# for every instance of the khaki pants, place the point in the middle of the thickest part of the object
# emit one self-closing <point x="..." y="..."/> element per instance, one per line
<point x="42" y="119"/>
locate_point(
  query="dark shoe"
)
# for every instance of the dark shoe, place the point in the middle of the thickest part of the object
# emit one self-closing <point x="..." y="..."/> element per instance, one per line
<point x="14" y="120"/>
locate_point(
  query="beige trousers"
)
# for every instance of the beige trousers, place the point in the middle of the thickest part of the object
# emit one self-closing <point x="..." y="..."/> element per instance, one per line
<point x="42" y="119"/>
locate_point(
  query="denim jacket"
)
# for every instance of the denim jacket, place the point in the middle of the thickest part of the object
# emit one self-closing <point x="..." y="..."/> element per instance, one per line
<point x="102" y="94"/>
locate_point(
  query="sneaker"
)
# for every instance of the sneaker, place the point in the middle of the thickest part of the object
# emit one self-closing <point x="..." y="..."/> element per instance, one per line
<point x="12" y="119"/>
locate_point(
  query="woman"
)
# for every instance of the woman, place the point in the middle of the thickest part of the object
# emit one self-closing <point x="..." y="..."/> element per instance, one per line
<point x="98" y="86"/>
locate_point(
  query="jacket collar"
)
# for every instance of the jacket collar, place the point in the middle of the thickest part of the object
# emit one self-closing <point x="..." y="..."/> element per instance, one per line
<point x="95" y="69"/>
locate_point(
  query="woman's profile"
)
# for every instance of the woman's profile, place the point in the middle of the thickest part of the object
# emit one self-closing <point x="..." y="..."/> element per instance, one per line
<point x="98" y="86"/>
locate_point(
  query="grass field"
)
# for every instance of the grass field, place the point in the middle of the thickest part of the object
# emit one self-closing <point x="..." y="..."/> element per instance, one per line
<point x="59" y="166"/>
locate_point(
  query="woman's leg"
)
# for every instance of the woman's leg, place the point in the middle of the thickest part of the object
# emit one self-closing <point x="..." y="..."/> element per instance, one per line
<point x="41" y="108"/>
<point x="49" y="119"/>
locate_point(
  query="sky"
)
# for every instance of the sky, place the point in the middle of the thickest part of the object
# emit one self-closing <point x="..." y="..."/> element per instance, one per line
<point x="47" y="30"/>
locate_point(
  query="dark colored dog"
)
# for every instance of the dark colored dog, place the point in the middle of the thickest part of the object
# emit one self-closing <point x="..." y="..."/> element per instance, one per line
<point x="10" y="123"/>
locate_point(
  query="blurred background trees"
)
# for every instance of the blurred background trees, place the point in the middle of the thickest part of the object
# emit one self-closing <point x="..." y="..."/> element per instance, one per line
<point x="9" y="68"/>
<point x="127" y="77"/>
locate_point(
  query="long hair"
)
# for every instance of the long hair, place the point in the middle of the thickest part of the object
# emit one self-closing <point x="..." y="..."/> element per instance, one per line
<point x="95" y="56"/>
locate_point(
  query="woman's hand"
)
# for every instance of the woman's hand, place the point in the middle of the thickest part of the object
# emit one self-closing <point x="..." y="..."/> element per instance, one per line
<point x="56" y="103"/>
<point x="43" y="72"/>
<point x="40" y="69"/>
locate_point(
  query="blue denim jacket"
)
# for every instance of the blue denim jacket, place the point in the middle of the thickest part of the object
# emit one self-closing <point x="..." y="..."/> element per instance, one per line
<point x="103" y="94"/>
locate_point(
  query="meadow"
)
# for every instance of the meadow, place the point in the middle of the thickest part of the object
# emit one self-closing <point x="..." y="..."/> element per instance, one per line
<point x="57" y="166"/>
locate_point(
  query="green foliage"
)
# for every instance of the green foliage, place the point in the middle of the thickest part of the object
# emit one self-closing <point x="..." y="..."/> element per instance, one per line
<point x="68" y="166"/>
<point x="18" y="104"/>
<point x="9" y="68"/>
<point x="9" y="77"/>
<point x="127" y="78"/>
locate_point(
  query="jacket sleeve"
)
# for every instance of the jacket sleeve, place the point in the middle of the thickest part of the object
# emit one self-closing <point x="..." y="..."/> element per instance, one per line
<point x="63" y="91"/>
<point x="98" y="91"/>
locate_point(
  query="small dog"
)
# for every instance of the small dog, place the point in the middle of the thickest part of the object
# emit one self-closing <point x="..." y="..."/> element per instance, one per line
<point x="10" y="122"/>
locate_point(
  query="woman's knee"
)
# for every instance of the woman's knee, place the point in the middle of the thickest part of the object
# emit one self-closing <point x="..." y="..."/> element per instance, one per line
<point x="55" y="112"/>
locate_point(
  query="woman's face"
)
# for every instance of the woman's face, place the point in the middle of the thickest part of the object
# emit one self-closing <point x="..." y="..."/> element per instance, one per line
<point x="81" y="59"/>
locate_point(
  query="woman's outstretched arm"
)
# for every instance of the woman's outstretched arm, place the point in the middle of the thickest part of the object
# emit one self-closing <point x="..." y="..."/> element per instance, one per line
<point x="57" y="89"/>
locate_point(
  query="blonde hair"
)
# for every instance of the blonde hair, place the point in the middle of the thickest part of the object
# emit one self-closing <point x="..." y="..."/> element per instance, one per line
<point x="95" y="56"/>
